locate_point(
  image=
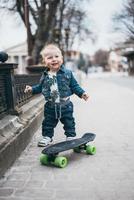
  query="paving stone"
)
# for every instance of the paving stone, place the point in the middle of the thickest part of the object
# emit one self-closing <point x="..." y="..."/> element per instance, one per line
<point x="6" y="192"/>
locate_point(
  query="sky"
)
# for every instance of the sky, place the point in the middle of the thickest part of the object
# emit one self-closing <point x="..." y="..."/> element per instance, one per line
<point x="98" y="11"/>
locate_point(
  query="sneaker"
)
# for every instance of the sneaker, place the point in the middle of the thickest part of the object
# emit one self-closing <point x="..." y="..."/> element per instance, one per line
<point x="70" y="138"/>
<point x="45" y="142"/>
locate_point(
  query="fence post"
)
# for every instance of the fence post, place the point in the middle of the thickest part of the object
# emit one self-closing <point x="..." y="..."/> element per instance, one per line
<point x="7" y="71"/>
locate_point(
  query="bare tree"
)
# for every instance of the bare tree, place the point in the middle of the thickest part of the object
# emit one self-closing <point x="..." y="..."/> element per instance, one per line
<point x="71" y="22"/>
<point x="101" y="58"/>
<point x="42" y="15"/>
<point x="125" y="19"/>
<point x="49" y="19"/>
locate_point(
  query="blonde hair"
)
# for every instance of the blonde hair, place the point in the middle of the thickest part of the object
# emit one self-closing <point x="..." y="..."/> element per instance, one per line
<point x="50" y="47"/>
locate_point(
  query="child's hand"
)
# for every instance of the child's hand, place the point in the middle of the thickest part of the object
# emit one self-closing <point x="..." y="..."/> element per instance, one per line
<point x="85" y="96"/>
<point x="28" y="89"/>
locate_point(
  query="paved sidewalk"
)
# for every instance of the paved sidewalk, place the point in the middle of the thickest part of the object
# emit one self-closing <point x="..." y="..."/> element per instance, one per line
<point x="108" y="175"/>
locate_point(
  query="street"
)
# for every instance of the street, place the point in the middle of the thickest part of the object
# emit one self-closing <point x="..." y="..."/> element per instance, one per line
<point x="108" y="175"/>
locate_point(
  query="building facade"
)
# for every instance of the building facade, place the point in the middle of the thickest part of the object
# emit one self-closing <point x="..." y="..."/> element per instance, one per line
<point x="18" y="54"/>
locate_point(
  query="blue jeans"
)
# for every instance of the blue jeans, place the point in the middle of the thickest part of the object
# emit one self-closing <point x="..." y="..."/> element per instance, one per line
<point x="55" y="112"/>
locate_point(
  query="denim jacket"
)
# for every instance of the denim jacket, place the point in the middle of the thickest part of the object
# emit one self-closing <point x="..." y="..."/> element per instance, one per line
<point x="67" y="84"/>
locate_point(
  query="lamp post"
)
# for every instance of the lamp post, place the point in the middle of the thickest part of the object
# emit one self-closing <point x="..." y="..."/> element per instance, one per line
<point x="57" y="34"/>
<point x="67" y="32"/>
<point x="26" y="12"/>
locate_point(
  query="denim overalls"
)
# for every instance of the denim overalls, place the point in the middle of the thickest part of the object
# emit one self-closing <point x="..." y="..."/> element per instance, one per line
<point x="63" y="111"/>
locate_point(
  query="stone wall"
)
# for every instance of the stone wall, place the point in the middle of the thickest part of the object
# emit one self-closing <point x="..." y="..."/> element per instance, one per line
<point x="16" y="131"/>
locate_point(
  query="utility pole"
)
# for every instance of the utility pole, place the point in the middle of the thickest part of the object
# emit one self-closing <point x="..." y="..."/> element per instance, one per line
<point x="26" y="12"/>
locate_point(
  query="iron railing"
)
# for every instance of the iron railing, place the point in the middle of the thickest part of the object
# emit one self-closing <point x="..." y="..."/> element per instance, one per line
<point x="20" y="83"/>
<point x="12" y="86"/>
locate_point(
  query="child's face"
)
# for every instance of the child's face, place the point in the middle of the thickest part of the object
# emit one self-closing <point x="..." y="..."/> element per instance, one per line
<point x="53" y="58"/>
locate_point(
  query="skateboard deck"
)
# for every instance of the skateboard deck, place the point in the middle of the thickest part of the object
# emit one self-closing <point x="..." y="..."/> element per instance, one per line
<point x="49" y="154"/>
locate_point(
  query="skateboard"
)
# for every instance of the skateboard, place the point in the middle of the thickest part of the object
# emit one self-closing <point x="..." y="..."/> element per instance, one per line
<point x="49" y="155"/>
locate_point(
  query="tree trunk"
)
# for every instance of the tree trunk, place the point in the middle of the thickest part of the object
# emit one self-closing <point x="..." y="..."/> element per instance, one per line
<point x="44" y="26"/>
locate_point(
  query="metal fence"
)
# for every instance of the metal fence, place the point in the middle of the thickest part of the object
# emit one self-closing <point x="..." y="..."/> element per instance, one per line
<point x="12" y="95"/>
<point x="3" y="102"/>
<point x="20" y="83"/>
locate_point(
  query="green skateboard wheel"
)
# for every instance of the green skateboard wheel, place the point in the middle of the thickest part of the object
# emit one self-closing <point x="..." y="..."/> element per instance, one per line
<point x="90" y="149"/>
<point x="44" y="159"/>
<point x="77" y="150"/>
<point x="60" y="162"/>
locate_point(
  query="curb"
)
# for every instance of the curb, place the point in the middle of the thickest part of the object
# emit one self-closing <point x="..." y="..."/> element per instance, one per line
<point x="18" y="132"/>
